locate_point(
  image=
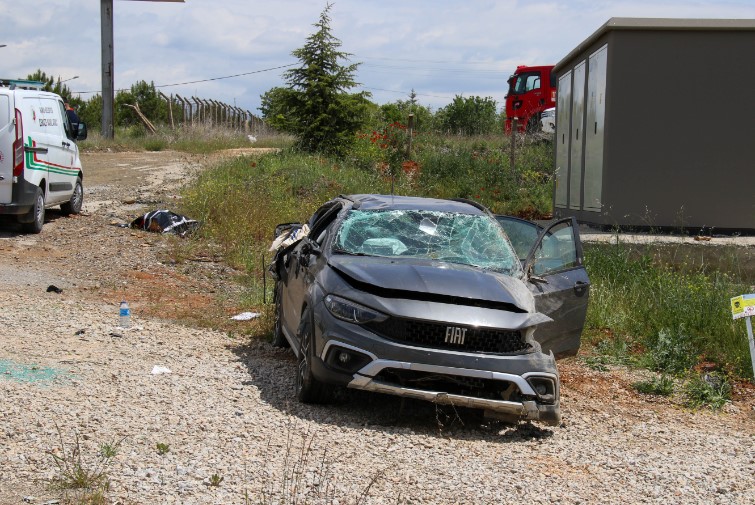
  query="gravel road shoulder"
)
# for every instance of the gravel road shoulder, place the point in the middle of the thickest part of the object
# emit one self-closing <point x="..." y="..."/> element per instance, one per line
<point x="226" y="408"/>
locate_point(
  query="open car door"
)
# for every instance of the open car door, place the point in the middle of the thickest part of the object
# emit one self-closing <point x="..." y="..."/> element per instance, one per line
<point x="553" y="261"/>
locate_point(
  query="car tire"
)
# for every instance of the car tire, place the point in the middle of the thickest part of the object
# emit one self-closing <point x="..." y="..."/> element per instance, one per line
<point x="279" y="340"/>
<point x="73" y="206"/>
<point x="308" y="388"/>
<point x="37" y="214"/>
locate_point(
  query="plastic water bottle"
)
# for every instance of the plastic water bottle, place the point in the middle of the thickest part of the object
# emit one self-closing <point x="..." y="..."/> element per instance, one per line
<point x="125" y="313"/>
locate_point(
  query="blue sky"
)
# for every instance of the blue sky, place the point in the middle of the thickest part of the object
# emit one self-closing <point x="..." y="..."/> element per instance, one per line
<point x="439" y="48"/>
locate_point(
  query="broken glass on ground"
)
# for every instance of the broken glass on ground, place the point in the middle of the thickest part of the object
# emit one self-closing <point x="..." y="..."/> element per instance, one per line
<point x="25" y="372"/>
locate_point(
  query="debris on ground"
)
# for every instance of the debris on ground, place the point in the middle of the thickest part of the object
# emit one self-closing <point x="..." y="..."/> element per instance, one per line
<point x="245" y="316"/>
<point x="165" y="221"/>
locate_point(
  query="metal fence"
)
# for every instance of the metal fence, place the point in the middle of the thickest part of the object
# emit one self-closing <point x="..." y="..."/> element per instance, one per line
<point x="195" y="111"/>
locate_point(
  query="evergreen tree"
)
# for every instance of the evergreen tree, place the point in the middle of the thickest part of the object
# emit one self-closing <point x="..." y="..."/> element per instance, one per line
<point x="318" y="107"/>
<point x="50" y="84"/>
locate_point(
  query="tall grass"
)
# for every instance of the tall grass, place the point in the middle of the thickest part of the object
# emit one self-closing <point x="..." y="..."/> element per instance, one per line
<point x="241" y="201"/>
<point x="197" y="139"/>
<point x="673" y="316"/>
<point x="665" y="309"/>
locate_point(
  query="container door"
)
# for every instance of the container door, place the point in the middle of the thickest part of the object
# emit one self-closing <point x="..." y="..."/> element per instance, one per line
<point x="596" y="120"/>
<point x="7" y="136"/>
<point x="563" y="134"/>
<point x="577" y="137"/>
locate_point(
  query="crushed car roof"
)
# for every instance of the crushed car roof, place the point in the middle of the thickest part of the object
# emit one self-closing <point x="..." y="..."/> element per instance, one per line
<point x="392" y="202"/>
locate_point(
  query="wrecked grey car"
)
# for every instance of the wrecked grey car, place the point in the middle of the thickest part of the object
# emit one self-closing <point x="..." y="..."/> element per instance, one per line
<point x="415" y="297"/>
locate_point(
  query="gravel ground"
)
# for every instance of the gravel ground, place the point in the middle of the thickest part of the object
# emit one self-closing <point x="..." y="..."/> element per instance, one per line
<point x="226" y="407"/>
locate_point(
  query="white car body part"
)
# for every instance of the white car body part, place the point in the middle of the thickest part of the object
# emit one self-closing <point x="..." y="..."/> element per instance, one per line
<point x="37" y="152"/>
<point x="548" y="120"/>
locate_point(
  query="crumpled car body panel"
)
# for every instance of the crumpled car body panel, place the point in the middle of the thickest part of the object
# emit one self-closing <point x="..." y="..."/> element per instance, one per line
<point x="415" y="307"/>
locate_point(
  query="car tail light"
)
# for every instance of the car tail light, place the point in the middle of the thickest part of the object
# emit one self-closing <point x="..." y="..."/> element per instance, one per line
<point x="18" y="146"/>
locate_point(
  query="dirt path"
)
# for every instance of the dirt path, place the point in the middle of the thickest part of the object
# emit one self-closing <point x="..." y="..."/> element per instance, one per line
<point x="226" y="408"/>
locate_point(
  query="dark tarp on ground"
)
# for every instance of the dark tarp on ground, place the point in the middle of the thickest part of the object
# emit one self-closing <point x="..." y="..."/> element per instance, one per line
<point x="165" y="221"/>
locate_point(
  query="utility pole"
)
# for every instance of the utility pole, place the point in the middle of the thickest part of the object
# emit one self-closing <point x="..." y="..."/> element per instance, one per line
<point x="108" y="64"/>
<point x="108" y="81"/>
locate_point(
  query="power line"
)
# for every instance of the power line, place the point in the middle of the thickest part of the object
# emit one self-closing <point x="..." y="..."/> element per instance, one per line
<point x="428" y="70"/>
<point x="407" y="93"/>
<point x="227" y="76"/>
<point x="201" y="80"/>
<point x="443" y="62"/>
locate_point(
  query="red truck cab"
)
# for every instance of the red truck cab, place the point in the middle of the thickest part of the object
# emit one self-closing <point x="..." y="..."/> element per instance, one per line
<point x="531" y="91"/>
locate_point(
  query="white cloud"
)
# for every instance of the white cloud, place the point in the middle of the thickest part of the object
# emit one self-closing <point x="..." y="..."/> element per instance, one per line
<point x="440" y="48"/>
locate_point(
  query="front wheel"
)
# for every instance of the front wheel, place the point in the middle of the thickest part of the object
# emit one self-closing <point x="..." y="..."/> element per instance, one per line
<point x="37" y="214"/>
<point x="279" y="340"/>
<point x="73" y="206"/>
<point x="308" y="388"/>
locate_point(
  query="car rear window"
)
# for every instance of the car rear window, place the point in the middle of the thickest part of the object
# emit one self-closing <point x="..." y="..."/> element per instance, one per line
<point x="475" y="240"/>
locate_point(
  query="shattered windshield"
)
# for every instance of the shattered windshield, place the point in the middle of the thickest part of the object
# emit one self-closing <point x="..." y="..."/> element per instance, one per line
<point x="475" y="240"/>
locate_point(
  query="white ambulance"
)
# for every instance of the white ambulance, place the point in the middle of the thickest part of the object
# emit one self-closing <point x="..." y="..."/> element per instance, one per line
<point x="39" y="159"/>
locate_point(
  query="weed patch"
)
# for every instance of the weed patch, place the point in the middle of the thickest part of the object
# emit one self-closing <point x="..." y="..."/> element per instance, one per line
<point x="711" y="390"/>
<point x="305" y="475"/>
<point x="82" y="479"/>
<point x="660" y="386"/>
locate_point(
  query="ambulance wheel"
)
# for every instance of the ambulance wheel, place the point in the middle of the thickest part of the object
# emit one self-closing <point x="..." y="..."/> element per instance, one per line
<point x="37" y="214"/>
<point x="73" y="206"/>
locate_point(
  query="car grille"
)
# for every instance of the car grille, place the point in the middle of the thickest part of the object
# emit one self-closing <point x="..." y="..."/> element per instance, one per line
<point x="431" y="334"/>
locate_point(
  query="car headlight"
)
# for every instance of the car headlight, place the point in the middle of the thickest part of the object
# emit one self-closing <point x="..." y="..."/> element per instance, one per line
<point x="352" y="312"/>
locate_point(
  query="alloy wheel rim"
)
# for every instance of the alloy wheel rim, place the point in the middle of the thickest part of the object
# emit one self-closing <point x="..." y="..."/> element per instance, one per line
<point x="77" y="197"/>
<point x="40" y="216"/>
<point x="303" y="362"/>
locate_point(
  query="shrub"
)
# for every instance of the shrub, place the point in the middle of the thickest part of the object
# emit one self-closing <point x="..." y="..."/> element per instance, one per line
<point x="711" y="389"/>
<point x="673" y="315"/>
<point x="661" y="386"/>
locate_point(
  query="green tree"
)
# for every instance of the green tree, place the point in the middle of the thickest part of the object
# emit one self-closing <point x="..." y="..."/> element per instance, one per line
<point x="277" y="108"/>
<point x="90" y="112"/>
<point x="150" y="103"/>
<point x="398" y="112"/>
<point x="469" y="116"/>
<point x="51" y="84"/>
<point x="317" y="106"/>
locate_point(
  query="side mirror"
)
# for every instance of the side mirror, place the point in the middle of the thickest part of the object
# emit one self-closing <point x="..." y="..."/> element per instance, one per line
<point x="531" y="277"/>
<point x="81" y="134"/>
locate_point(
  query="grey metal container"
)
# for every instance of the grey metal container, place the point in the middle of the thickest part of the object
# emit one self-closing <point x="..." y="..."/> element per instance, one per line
<point x="655" y="125"/>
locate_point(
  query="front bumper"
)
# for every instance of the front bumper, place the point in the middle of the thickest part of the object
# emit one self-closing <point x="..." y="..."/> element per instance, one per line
<point x="366" y="379"/>
<point x="382" y="366"/>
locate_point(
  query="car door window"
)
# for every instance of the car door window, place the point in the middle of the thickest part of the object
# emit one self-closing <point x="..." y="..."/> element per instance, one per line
<point x="67" y="127"/>
<point x="556" y="251"/>
<point x="522" y="234"/>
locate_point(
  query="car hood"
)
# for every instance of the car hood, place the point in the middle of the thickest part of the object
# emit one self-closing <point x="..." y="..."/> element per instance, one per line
<point x="409" y="278"/>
